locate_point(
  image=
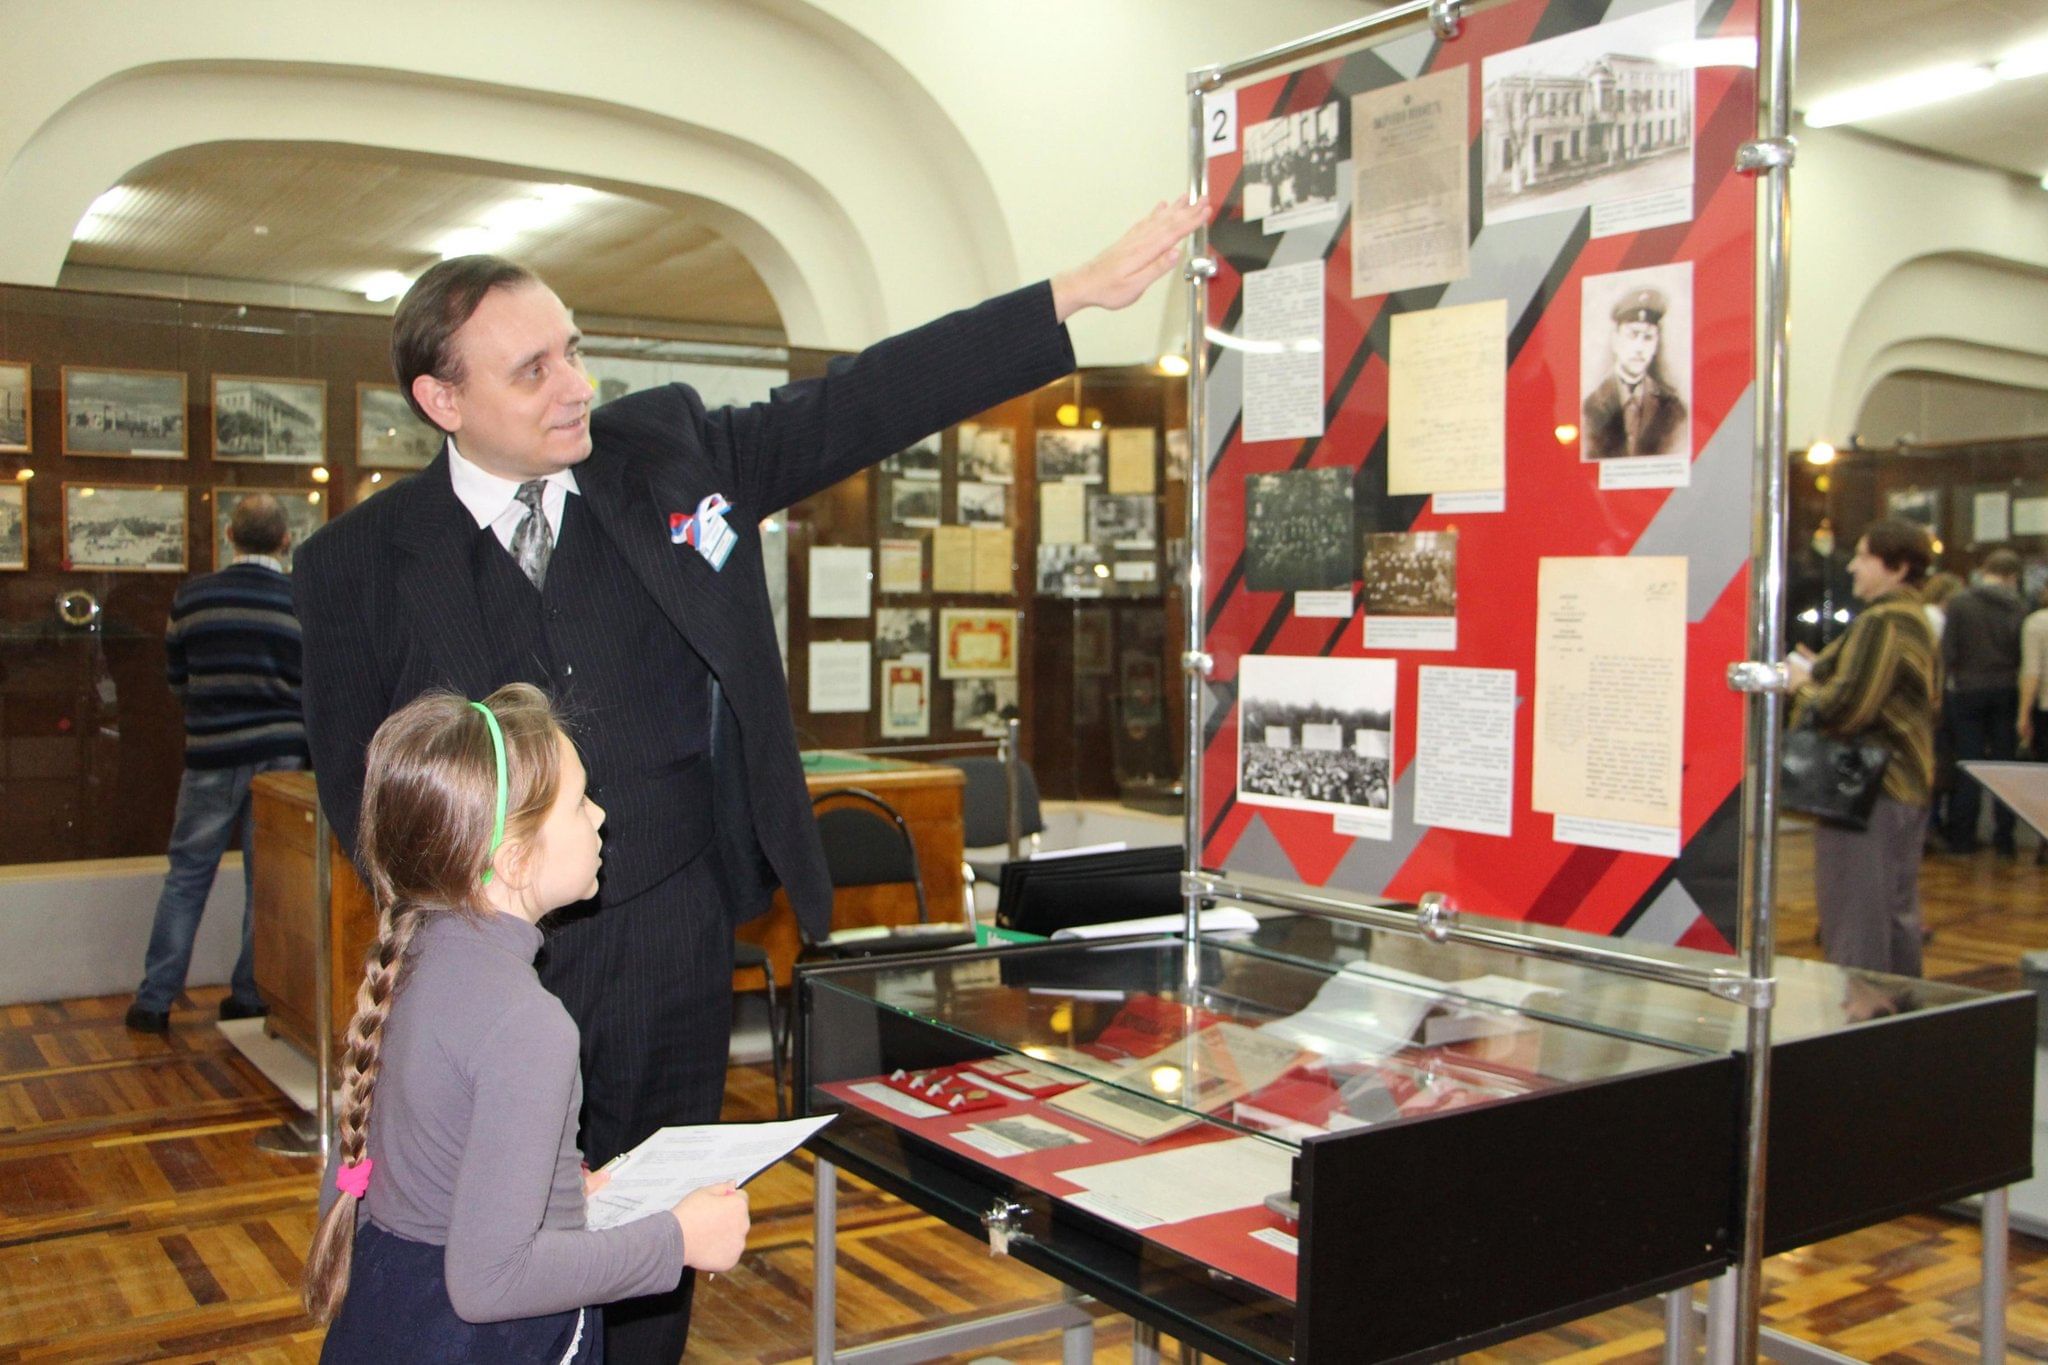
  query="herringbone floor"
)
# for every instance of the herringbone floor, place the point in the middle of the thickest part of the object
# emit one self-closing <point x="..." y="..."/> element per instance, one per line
<point x="138" y="1222"/>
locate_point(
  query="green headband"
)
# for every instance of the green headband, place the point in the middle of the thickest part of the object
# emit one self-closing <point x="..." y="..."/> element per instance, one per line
<point x="497" y="749"/>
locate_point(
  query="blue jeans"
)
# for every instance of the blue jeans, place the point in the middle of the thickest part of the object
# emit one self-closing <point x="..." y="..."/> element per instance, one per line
<point x="213" y="810"/>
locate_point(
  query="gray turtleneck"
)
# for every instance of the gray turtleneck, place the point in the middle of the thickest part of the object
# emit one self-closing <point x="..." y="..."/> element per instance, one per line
<point x="473" y="1131"/>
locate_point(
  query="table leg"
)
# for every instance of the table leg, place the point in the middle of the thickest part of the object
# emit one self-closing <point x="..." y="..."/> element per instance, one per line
<point x="824" y="1261"/>
<point x="1997" y="1245"/>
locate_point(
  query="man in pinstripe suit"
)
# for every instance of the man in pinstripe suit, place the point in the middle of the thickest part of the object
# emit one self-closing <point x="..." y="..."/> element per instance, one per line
<point x="612" y="558"/>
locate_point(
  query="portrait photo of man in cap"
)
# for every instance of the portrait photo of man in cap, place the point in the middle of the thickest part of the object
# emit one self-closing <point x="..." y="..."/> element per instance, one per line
<point x="1636" y="364"/>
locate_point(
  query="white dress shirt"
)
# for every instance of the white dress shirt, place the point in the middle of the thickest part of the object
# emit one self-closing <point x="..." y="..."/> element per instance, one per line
<point x="494" y="502"/>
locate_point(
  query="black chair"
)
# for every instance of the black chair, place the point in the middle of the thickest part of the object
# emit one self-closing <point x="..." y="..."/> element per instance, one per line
<point x="752" y="957"/>
<point x="985" y="814"/>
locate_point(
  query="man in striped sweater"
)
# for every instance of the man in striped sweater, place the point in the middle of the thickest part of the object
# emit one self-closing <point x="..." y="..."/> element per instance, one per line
<point x="232" y="652"/>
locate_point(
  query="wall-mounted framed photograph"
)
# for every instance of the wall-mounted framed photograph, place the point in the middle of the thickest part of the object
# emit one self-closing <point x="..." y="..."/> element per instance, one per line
<point x="305" y="511"/>
<point x="13" y="526"/>
<point x="15" y="396"/>
<point x="261" y="420"/>
<point x="129" y="414"/>
<point x="389" y="435"/>
<point x="124" y="527"/>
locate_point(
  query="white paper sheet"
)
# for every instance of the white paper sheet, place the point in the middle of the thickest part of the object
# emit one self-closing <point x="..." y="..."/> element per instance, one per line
<point x="902" y="566"/>
<point x="1334" y="602"/>
<point x="660" y="1171"/>
<point x="1447" y="384"/>
<point x="839" y="582"/>
<point x="1283" y="387"/>
<point x="1410" y="217"/>
<point x="1465" y="749"/>
<point x="839" y="676"/>
<point x="1187" y="1182"/>
<point x="1991" y="518"/>
<point x="1610" y="690"/>
<point x="1062" y="513"/>
<point x="2030" y="516"/>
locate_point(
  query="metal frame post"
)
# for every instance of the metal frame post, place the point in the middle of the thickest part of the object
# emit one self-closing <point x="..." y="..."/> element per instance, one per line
<point x="1012" y="756"/>
<point x="1994" y="1220"/>
<point x="1769" y="157"/>
<point x="1195" y="663"/>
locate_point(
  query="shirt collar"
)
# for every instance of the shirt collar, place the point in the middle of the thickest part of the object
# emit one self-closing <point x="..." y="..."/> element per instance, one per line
<point x="270" y="562"/>
<point x="486" y="495"/>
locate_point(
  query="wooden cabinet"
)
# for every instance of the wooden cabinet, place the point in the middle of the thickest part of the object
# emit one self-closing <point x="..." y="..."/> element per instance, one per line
<point x="292" y="926"/>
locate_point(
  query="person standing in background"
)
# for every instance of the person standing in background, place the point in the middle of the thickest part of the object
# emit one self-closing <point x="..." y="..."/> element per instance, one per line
<point x="2032" y="717"/>
<point x="231" y="651"/>
<point x="1980" y="651"/>
<point x="1878" y="681"/>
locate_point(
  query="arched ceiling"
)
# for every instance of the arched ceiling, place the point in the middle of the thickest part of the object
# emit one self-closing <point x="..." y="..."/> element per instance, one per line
<point x="332" y="216"/>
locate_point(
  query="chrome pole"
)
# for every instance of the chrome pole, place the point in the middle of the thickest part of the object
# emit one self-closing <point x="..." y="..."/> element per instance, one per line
<point x="1012" y="756"/>
<point x="1769" y="158"/>
<point x="1195" y="662"/>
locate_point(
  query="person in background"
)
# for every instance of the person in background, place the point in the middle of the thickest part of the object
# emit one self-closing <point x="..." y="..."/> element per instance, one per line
<point x="1935" y="596"/>
<point x="232" y="654"/>
<point x="1934" y="599"/>
<point x="2032" y="716"/>
<point x="1879" y="680"/>
<point x="1980" y="650"/>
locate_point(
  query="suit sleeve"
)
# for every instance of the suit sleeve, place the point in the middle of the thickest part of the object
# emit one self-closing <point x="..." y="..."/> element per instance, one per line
<point x="343" y="694"/>
<point x="813" y="433"/>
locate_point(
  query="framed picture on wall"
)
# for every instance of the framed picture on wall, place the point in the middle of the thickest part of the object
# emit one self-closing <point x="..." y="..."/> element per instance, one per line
<point x="132" y="414"/>
<point x="388" y="433"/>
<point x="15" y="396"/>
<point x="304" y="512"/>
<point x="13" y="526"/>
<point x="122" y="527"/>
<point x="269" y="421"/>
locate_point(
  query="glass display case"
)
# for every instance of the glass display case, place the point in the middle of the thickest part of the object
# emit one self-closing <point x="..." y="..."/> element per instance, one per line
<point x="1323" y="1141"/>
<point x="1276" y="1158"/>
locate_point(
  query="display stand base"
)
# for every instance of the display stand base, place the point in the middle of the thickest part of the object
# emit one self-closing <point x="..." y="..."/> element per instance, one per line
<point x="299" y="1137"/>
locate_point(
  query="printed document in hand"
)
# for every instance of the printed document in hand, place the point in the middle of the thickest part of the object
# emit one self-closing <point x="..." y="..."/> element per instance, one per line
<point x="675" y="1161"/>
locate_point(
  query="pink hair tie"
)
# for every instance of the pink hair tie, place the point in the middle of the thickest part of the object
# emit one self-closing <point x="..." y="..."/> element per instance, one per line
<point x="354" y="1179"/>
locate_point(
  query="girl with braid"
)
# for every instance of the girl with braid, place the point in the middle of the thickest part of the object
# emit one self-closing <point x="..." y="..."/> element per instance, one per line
<point x="458" y="1233"/>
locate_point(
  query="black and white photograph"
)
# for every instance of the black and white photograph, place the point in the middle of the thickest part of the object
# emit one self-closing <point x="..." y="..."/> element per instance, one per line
<point x="1127" y="521"/>
<point x="388" y="434"/>
<point x="983" y="504"/>
<point x="913" y="502"/>
<point x="1028" y="1133"/>
<point x="1177" y="454"/>
<point x="920" y="461"/>
<point x="124" y="527"/>
<point x="978" y="703"/>
<point x="902" y="630"/>
<point x="1635" y="363"/>
<point x="988" y="454"/>
<point x="1297" y="530"/>
<point x="1081" y="570"/>
<point x="1290" y="167"/>
<point x="136" y="413"/>
<point x="13" y="526"/>
<point x="272" y="421"/>
<point x="1072" y="456"/>
<point x="1600" y="116"/>
<point x="1919" y="505"/>
<point x="1317" y="734"/>
<point x="1412" y="573"/>
<point x="304" y="513"/>
<point x="15" y="394"/>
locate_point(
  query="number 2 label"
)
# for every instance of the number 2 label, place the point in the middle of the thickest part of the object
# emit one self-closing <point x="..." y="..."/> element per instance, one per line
<point x="1219" y="122"/>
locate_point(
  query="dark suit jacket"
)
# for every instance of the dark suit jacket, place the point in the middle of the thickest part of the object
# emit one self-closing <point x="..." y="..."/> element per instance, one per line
<point x="389" y="610"/>
<point x="1605" y="428"/>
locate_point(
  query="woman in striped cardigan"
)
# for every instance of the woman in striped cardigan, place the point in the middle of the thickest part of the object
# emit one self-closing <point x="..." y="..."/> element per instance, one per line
<point x="1880" y="679"/>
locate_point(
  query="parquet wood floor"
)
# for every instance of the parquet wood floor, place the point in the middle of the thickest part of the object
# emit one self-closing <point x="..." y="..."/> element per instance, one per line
<point x="138" y="1222"/>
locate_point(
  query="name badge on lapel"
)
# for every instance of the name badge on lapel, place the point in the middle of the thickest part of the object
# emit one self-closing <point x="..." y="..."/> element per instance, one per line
<point x="706" y="531"/>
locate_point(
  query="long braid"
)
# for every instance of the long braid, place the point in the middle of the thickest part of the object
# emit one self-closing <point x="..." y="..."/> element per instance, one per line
<point x="327" y="1264"/>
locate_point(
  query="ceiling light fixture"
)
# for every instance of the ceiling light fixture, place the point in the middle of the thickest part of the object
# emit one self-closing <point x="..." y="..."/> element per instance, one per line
<point x="97" y="222"/>
<point x="1173" y="363"/>
<point x="2017" y="65"/>
<point x="385" y="284"/>
<point x="1820" y="452"/>
<point x="1899" y="94"/>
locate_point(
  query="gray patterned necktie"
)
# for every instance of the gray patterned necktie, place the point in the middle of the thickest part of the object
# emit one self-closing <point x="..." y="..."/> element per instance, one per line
<point x="533" y="542"/>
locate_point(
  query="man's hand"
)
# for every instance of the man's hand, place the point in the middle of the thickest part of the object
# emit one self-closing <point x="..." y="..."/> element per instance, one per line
<point x="1119" y="275"/>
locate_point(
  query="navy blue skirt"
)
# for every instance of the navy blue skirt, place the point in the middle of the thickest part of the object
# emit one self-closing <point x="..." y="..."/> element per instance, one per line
<point x="397" y="1312"/>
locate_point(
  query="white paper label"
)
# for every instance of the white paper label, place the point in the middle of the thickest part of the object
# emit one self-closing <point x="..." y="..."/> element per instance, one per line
<point x="1455" y="504"/>
<point x="1465" y="749"/>
<point x="1616" y="834"/>
<point x="1645" y="471"/>
<point x="1325" y="602"/>
<point x="1411" y="632"/>
<point x="1219" y="122"/>
<point x="1273" y="1237"/>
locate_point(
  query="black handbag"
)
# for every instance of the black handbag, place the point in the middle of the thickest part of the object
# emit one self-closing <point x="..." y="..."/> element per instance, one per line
<point x="1837" y="780"/>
